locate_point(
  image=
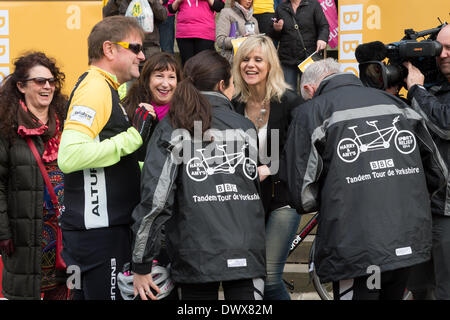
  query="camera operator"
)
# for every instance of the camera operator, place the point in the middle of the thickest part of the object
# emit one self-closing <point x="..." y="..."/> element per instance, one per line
<point x="435" y="103"/>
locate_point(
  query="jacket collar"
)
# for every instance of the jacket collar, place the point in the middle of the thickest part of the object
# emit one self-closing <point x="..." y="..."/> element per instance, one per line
<point x="337" y="80"/>
<point x="217" y="99"/>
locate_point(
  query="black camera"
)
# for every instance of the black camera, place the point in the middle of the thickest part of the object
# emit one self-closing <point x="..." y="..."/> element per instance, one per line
<point x="376" y="74"/>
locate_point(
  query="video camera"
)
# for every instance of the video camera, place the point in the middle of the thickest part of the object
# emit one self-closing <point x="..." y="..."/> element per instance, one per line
<point x="376" y="74"/>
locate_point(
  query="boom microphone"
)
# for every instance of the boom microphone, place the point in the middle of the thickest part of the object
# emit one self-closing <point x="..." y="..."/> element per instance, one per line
<point x="371" y="51"/>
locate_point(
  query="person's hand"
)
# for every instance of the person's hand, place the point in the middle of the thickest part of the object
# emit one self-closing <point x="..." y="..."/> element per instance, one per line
<point x="263" y="172"/>
<point x="142" y="284"/>
<point x="278" y="25"/>
<point x="321" y="45"/>
<point x="7" y="247"/>
<point x="143" y="119"/>
<point x="414" y="75"/>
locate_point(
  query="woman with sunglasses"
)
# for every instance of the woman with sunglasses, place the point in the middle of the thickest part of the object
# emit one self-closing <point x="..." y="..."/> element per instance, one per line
<point x="32" y="106"/>
<point x="149" y="97"/>
<point x="200" y="198"/>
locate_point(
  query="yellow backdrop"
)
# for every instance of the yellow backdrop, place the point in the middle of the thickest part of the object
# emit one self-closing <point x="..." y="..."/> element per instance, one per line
<point x="362" y="21"/>
<point x="58" y="28"/>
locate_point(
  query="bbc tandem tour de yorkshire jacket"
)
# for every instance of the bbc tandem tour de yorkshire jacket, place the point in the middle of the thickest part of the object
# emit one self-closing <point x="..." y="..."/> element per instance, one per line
<point x="209" y="203"/>
<point x="363" y="159"/>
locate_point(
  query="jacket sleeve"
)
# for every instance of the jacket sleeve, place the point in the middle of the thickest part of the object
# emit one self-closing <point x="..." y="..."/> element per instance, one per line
<point x="435" y="111"/>
<point x="157" y="198"/>
<point x="223" y="26"/>
<point x="323" y="28"/>
<point x="433" y="164"/>
<point x="302" y="162"/>
<point x="159" y="11"/>
<point x="5" y="231"/>
<point x="218" y="5"/>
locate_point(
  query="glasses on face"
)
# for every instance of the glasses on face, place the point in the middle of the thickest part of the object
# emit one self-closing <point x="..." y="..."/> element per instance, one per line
<point x="42" y="81"/>
<point x="134" y="47"/>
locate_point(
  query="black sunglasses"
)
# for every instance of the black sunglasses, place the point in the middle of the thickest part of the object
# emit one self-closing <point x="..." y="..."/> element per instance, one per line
<point x="42" y="81"/>
<point x="134" y="47"/>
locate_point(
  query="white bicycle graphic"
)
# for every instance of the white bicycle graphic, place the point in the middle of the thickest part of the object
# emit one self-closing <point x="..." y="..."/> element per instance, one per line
<point x="349" y="149"/>
<point x="199" y="169"/>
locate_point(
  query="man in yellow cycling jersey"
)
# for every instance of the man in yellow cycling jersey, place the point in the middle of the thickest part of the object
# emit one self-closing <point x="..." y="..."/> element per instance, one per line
<point x="97" y="155"/>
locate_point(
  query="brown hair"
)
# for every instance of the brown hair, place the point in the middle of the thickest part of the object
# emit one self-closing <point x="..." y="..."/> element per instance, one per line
<point x="10" y="94"/>
<point x="202" y="72"/>
<point x="140" y="90"/>
<point x="114" y="29"/>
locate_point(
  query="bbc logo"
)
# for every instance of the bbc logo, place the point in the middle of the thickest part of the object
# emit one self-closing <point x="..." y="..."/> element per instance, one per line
<point x="382" y="164"/>
<point x="226" y="187"/>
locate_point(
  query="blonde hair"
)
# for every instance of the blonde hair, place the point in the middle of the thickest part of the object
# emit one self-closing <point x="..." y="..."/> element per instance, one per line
<point x="275" y="86"/>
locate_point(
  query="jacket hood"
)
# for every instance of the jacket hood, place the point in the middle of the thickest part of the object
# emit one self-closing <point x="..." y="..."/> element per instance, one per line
<point x="337" y="80"/>
<point x="217" y="99"/>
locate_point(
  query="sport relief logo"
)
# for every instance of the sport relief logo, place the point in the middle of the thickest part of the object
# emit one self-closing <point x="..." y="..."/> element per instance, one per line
<point x="198" y="169"/>
<point x="349" y="149"/>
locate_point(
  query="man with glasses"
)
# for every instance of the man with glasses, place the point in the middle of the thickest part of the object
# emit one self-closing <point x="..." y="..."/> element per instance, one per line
<point x="97" y="155"/>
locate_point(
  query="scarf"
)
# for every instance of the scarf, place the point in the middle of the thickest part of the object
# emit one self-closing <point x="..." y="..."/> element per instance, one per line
<point x="161" y="111"/>
<point x="30" y="125"/>
<point x="247" y="13"/>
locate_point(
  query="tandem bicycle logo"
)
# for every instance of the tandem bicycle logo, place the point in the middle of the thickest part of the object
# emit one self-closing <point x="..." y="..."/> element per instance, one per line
<point x="376" y="138"/>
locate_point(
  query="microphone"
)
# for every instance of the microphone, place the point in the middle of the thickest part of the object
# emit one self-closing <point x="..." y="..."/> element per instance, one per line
<point x="371" y="51"/>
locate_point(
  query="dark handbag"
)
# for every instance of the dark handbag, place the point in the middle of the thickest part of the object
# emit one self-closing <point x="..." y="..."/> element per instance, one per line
<point x="59" y="263"/>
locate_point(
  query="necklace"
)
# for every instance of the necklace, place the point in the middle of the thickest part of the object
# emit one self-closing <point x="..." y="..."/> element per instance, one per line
<point x="261" y="117"/>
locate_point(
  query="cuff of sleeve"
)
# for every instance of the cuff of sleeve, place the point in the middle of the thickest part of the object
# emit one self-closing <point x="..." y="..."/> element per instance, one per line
<point x="413" y="89"/>
<point x="141" y="268"/>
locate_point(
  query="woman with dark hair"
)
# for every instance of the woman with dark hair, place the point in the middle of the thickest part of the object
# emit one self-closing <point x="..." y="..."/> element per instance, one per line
<point x="32" y="107"/>
<point x="153" y="91"/>
<point x="198" y="176"/>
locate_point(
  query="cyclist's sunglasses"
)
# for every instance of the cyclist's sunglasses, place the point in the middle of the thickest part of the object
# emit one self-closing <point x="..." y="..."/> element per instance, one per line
<point x="134" y="47"/>
<point x="42" y="81"/>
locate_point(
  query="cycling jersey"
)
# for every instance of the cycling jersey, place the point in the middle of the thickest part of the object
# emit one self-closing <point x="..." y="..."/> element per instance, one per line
<point x="98" y="197"/>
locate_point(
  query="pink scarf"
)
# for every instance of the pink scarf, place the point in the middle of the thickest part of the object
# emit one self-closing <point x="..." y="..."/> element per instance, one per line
<point x="161" y="111"/>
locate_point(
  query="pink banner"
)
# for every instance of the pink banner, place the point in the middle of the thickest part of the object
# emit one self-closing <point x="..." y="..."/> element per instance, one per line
<point x="330" y="11"/>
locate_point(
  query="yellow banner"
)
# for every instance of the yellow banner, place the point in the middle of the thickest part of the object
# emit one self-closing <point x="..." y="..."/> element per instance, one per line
<point x="362" y="21"/>
<point x="58" y="28"/>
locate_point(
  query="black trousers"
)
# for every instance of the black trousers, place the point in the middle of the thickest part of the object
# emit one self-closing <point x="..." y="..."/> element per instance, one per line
<point x="99" y="255"/>
<point x="392" y="287"/>
<point x="246" y="289"/>
<point x="189" y="47"/>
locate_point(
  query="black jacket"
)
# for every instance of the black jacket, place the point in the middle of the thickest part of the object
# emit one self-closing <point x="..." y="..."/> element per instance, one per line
<point x="274" y="191"/>
<point x="367" y="163"/>
<point x="313" y="26"/>
<point x="435" y="107"/>
<point x="213" y="215"/>
<point x="21" y="210"/>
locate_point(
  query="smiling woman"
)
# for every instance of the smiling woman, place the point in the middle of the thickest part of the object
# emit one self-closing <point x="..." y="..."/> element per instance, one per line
<point x="154" y="90"/>
<point x="32" y="108"/>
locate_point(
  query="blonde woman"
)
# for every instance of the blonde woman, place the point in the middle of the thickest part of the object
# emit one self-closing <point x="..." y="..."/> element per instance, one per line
<point x="266" y="99"/>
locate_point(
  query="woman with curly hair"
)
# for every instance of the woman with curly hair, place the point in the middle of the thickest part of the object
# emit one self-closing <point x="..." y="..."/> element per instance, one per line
<point x="32" y="106"/>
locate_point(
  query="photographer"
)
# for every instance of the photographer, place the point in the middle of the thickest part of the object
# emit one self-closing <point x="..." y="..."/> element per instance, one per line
<point x="435" y="103"/>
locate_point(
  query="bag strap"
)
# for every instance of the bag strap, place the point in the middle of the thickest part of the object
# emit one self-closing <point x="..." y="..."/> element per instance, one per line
<point x="296" y="27"/>
<point x="44" y="173"/>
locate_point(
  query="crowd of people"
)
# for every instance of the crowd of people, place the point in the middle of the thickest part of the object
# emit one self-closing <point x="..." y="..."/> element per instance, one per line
<point x="198" y="175"/>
